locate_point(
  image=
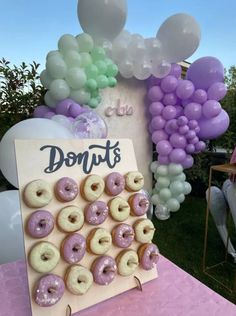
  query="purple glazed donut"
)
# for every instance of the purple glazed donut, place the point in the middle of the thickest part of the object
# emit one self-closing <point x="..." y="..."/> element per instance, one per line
<point x="148" y="256"/>
<point x="139" y="204"/>
<point x="104" y="270"/>
<point x="73" y="248"/>
<point x="123" y="235"/>
<point x="40" y="224"/>
<point x="96" y="213"/>
<point x="114" y="183"/>
<point x="49" y="290"/>
<point x="66" y="189"/>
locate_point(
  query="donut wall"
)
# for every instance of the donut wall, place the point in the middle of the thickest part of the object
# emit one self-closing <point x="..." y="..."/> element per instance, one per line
<point x="86" y="234"/>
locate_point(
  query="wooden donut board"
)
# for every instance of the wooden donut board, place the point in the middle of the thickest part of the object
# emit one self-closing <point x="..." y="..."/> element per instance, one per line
<point x="33" y="159"/>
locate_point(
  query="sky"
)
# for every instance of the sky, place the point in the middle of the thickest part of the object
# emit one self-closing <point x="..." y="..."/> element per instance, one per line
<point x="30" y="29"/>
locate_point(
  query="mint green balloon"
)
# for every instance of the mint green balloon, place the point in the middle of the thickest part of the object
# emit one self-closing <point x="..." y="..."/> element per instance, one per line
<point x="45" y="79"/>
<point x="180" y="198"/>
<point x="153" y="166"/>
<point x="54" y="53"/>
<point x="173" y="205"/>
<point x="187" y="188"/>
<point x="112" y="82"/>
<point x="67" y="42"/>
<point x="162" y="170"/>
<point x="108" y="61"/>
<point x="56" y="67"/>
<point x="175" y="169"/>
<point x="86" y="60"/>
<point x="112" y="70"/>
<point x="180" y="177"/>
<point x="98" y="53"/>
<point x="163" y="182"/>
<point x="102" y="67"/>
<point x="85" y="43"/>
<point x="95" y="93"/>
<point x="80" y="96"/>
<point x="49" y="101"/>
<point x="72" y="58"/>
<point x="59" y="89"/>
<point x="92" y="71"/>
<point x="76" y="78"/>
<point x="102" y="81"/>
<point x="91" y="84"/>
<point x="165" y="194"/>
<point x="99" y="99"/>
<point x="93" y="103"/>
<point x="176" y="188"/>
<point x="155" y="199"/>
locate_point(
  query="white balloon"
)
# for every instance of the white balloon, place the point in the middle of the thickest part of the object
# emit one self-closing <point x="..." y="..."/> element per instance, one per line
<point x="106" y="45"/>
<point x="136" y="47"/>
<point x="180" y="36"/>
<point x="53" y="53"/>
<point x="102" y="18"/>
<point x="126" y="68"/>
<point x="85" y="42"/>
<point x="56" y="67"/>
<point x="142" y="69"/>
<point x="35" y="128"/>
<point x="153" y="47"/>
<point x="160" y="68"/>
<point x="62" y="120"/>
<point x="162" y="212"/>
<point x="11" y="235"/>
<point x="72" y="58"/>
<point x="120" y="50"/>
<point x="67" y="42"/>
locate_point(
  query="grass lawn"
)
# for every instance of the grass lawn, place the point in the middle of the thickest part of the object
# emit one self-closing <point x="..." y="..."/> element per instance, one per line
<point x="181" y="240"/>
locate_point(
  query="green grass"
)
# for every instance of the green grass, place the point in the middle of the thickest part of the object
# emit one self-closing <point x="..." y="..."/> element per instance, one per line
<point x="181" y="240"/>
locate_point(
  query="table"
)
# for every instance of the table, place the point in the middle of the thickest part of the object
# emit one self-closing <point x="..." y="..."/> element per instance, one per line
<point x="174" y="293"/>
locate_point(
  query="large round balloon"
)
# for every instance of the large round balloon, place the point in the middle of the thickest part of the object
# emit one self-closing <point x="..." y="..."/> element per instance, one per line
<point x="102" y="18"/>
<point x="213" y="127"/>
<point x="205" y="71"/>
<point x="11" y="247"/>
<point x="36" y="128"/>
<point x="180" y="36"/>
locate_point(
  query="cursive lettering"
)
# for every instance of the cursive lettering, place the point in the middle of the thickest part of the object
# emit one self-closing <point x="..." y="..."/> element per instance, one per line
<point x="119" y="110"/>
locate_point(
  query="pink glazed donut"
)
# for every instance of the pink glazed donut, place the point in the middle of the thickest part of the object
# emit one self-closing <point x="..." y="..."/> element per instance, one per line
<point x="148" y="256"/>
<point x="96" y="213"/>
<point x="73" y="248"/>
<point x="123" y="235"/>
<point x="40" y="224"/>
<point x="49" y="290"/>
<point x="139" y="204"/>
<point x="114" y="183"/>
<point x="66" y="189"/>
<point x="104" y="270"/>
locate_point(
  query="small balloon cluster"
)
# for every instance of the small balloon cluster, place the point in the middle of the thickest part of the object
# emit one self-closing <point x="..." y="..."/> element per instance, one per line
<point x="80" y="121"/>
<point x="185" y="112"/>
<point x="77" y="70"/>
<point x="170" y="188"/>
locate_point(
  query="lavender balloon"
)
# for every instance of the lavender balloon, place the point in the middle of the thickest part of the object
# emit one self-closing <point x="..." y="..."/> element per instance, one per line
<point x="63" y="106"/>
<point x="217" y="91"/>
<point x="185" y="89"/>
<point x="211" y="108"/>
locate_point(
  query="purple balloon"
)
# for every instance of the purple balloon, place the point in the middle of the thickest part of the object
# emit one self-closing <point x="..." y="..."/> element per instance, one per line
<point x="75" y="110"/>
<point x="214" y="127"/>
<point x="194" y="140"/>
<point x="190" y="149"/>
<point x="155" y="94"/>
<point x="182" y="120"/>
<point x="63" y="107"/>
<point x="200" y="146"/>
<point x="179" y="110"/>
<point x="193" y="111"/>
<point x="169" y="112"/>
<point x="153" y="81"/>
<point x="175" y="70"/>
<point x="177" y="155"/>
<point x="188" y="162"/>
<point x="158" y="122"/>
<point x="193" y="124"/>
<point x="49" y="115"/>
<point x="184" y="89"/>
<point x="205" y="71"/>
<point x="211" y="108"/>
<point x="171" y="126"/>
<point x="164" y="147"/>
<point x="190" y="135"/>
<point x="183" y="129"/>
<point x="159" y="135"/>
<point x="41" y="110"/>
<point x="199" y="96"/>
<point x="169" y="84"/>
<point x="169" y="99"/>
<point x="150" y="129"/>
<point x="178" y="141"/>
<point x="217" y="91"/>
<point x="156" y="108"/>
<point x="163" y="160"/>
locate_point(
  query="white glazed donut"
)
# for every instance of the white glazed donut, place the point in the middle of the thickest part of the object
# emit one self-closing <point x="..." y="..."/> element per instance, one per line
<point x="99" y="241"/>
<point x="78" y="279"/>
<point x="37" y="193"/>
<point x="127" y="261"/>
<point x="144" y="230"/>
<point x="70" y="219"/>
<point x="134" y="181"/>
<point x="119" y="209"/>
<point x="92" y="188"/>
<point x="44" y="257"/>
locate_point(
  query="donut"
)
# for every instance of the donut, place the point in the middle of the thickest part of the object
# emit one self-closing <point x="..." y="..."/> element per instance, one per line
<point x="78" y="279"/>
<point x="139" y="204"/>
<point x="127" y="262"/>
<point x="96" y="213"/>
<point x="92" y="188"/>
<point x="37" y="193"/>
<point x="66" y="189"/>
<point x="122" y="235"/>
<point x="44" y="257"/>
<point x="99" y="241"/>
<point x="48" y="290"/>
<point x="70" y="219"/>
<point x="134" y="181"/>
<point x="73" y="248"/>
<point x="114" y="184"/>
<point x="144" y="230"/>
<point x="40" y="224"/>
<point x="104" y="270"/>
<point x="119" y="209"/>
<point x="148" y="256"/>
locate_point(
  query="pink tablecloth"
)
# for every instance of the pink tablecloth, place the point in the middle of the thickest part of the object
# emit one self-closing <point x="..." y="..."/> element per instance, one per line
<point x="174" y="293"/>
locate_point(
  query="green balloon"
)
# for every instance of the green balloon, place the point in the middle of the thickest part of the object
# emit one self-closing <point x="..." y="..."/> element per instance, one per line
<point x="173" y="205"/>
<point x="175" y="169"/>
<point x="80" y="96"/>
<point x="85" y="43"/>
<point x="165" y="194"/>
<point x="92" y="71"/>
<point x="163" y="182"/>
<point x="95" y="93"/>
<point x="112" y="82"/>
<point x="76" y="78"/>
<point x="102" y="81"/>
<point x="108" y="61"/>
<point x="112" y="70"/>
<point x="162" y="170"/>
<point x="93" y="103"/>
<point x="177" y="187"/>
<point x="67" y="42"/>
<point x="59" y="89"/>
<point x="91" y="84"/>
<point x="72" y="58"/>
<point x="45" y="79"/>
<point x="49" y="100"/>
<point x="53" y="53"/>
<point x="86" y="59"/>
<point x="98" y="53"/>
<point x="102" y="67"/>
<point x="56" y="67"/>
<point x="99" y="98"/>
